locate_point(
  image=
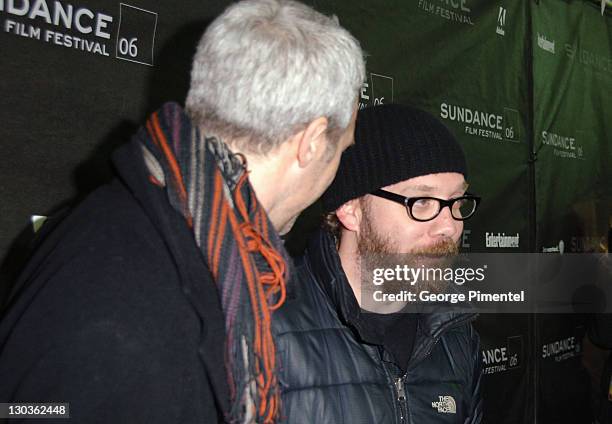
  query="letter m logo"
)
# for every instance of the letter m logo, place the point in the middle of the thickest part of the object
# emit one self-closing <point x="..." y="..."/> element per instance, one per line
<point x="501" y="18"/>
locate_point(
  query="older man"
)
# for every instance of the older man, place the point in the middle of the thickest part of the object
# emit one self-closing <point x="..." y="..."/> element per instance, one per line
<point x="400" y="190"/>
<point x="152" y="301"/>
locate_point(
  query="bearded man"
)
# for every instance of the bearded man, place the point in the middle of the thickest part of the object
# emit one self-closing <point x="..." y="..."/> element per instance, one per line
<point x="400" y="189"/>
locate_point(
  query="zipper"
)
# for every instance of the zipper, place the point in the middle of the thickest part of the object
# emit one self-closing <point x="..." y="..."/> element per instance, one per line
<point x="400" y="389"/>
<point x="401" y="398"/>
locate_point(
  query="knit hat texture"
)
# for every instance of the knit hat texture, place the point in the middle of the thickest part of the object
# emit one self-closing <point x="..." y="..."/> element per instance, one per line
<point x="393" y="143"/>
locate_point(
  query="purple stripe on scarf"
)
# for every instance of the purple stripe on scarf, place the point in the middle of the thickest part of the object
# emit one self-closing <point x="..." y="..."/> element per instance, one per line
<point x="176" y="129"/>
<point x="230" y="297"/>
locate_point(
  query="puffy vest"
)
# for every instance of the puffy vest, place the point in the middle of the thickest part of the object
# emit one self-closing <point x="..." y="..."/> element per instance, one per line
<point x="328" y="376"/>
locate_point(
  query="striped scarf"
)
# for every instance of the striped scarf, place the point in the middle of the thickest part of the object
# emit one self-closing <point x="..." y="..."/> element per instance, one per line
<point x="209" y="186"/>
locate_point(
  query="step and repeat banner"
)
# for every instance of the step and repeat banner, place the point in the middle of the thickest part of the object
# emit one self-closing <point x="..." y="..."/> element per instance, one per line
<point x="77" y="78"/>
<point x="572" y="152"/>
<point x="525" y="86"/>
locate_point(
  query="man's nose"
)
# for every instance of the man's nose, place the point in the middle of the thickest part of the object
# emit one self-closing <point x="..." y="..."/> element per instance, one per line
<point x="444" y="225"/>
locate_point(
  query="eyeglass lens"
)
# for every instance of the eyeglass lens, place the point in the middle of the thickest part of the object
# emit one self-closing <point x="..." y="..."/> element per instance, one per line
<point x="426" y="209"/>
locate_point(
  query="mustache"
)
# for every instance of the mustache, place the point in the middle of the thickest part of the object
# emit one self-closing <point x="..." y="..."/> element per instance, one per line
<point x="446" y="247"/>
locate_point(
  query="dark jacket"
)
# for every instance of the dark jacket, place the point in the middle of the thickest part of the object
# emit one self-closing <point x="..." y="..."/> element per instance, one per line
<point x="117" y="314"/>
<point x="330" y="376"/>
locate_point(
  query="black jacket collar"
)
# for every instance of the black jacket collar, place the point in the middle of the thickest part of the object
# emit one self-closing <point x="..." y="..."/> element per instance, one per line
<point x="324" y="262"/>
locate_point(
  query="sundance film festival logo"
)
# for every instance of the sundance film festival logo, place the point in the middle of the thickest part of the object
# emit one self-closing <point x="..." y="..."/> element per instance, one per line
<point x="136" y="34"/>
<point x="465" y="239"/>
<point x="563" y="145"/>
<point x="563" y="349"/>
<point x="589" y="58"/>
<point x="503" y="358"/>
<point x="452" y="10"/>
<point x="82" y="28"/>
<point x="484" y="123"/>
<point x="595" y="243"/>
<point x="378" y="90"/>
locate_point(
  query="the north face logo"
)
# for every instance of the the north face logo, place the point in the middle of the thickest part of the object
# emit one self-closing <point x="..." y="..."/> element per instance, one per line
<point x="445" y="405"/>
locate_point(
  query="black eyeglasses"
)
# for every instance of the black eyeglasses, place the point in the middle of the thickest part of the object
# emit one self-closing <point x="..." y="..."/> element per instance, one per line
<point x="424" y="209"/>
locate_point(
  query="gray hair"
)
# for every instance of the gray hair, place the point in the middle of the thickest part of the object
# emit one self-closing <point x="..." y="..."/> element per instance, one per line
<point x="266" y="68"/>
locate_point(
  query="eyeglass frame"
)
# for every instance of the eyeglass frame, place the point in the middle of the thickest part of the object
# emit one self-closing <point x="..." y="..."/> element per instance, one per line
<point x="408" y="202"/>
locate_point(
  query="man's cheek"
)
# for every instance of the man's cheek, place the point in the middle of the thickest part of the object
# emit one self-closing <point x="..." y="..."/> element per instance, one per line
<point x="459" y="231"/>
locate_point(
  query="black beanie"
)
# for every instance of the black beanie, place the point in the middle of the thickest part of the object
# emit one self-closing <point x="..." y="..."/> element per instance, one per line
<point x="393" y="143"/>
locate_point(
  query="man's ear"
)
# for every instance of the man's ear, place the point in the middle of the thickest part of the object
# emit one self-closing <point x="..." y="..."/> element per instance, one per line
<point x="350" y="215"/>
<point x="312" y="142"/>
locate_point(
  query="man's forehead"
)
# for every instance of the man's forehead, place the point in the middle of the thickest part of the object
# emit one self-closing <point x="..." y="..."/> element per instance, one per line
<point x="431" y="182"/>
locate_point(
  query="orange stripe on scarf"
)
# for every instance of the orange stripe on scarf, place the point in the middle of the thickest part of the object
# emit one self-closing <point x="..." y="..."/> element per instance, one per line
<point x="250" y="240"/>
<point x="159" y="138"/>
<point x="220" y="234"/>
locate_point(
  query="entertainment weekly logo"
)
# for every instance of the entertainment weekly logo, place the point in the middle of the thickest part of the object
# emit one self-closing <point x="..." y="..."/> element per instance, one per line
<point x="502" y="240"/>
<point x="545" y="44"/>
<point x="128" y="34"/>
